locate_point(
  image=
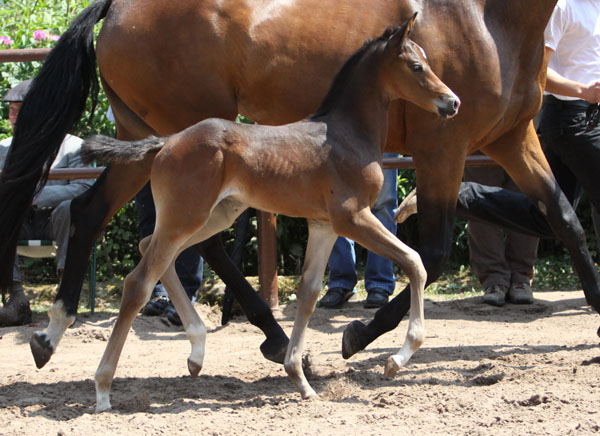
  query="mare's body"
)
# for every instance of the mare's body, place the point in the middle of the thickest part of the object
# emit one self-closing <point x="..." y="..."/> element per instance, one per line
<point x="272" y="61"/>
<point x="326" y="168"/>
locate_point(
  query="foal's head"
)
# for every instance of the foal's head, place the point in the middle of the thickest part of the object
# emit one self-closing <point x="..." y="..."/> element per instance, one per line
<point x="406" y="75"/>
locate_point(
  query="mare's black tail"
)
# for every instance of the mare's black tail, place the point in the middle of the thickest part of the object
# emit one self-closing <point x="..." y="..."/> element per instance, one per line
<point x="52" y="106"/>
<point x="104" y="149"/>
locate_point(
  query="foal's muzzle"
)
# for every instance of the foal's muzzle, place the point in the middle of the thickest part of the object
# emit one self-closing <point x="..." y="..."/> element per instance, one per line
<point x="447" y="105"/>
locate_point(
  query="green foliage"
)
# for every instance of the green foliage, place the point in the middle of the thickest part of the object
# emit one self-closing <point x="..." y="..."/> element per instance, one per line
<point x="31" y="24"/>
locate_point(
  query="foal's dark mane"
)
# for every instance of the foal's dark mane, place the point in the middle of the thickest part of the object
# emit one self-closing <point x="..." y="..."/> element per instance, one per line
<point x="339" y="81"/>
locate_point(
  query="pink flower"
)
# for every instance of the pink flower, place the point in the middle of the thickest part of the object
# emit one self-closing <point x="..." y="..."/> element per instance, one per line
<point x="40" y="35"/>
<point x="5" y="40"/>
<point x="53" y="37"/>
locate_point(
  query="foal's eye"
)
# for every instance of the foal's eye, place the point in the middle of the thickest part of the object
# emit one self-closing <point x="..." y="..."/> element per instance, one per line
<point x="417" y="68"/>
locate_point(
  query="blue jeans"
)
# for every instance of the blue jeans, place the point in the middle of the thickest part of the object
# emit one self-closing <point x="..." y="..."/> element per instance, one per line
<point x="379" y="271"/>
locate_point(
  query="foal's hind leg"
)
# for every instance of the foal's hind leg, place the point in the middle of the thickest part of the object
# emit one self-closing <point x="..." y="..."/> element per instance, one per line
<point x="192" y="323"/>
<point x="255" y="308"/>
<point x="320" y="242"/>
<point x="369" y="232"/>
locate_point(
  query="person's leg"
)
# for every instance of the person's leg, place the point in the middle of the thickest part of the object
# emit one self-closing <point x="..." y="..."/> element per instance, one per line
<point x="380" y="281"/>
<point x="342" y="274"/>
<point x="566" y="143"/>
<point x="521" y="254"/>
<point x="16" y="310"/>
<point x="487" y="245"/>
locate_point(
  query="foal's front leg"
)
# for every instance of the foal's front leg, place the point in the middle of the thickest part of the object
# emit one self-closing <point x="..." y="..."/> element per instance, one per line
<point x="369" y="232"/>
<point x="321" y="238"/>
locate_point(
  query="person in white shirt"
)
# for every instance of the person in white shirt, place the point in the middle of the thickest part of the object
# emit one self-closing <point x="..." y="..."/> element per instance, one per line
<point x="49" y="217"/>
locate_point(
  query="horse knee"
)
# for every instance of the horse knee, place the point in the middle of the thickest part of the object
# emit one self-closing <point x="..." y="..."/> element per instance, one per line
<point x="135" y="293"/>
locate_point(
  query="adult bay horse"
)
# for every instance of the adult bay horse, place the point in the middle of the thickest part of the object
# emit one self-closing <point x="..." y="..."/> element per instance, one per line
<point x="326" y="168"/>
<point x="272" y="61"/>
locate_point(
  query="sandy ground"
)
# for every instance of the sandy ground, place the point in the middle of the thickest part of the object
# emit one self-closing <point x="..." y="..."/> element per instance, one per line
<point x="482" y="370"/>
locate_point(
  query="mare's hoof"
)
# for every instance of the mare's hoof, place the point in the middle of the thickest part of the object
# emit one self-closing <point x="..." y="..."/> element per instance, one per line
<point x="275" y="349"/>
<point x="391" y="367"/>
<point x="41" y="349"/>
<point x="194" y="368"/>
<point x="351" y="340"/>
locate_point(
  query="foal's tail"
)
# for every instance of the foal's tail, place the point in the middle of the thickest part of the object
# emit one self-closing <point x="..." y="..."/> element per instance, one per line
<point x="104" y="149"/>
<point x="52" y="106"/>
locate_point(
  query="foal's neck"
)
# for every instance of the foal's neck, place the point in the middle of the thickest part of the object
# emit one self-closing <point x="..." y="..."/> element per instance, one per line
<point x="360" y="107"/>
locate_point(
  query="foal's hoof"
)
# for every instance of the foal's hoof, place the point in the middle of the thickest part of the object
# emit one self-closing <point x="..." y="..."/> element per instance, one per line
<point x="275" y="349"/>
<point x="194" y="368"/>
<point x="351" y="340"/>
<point x="41" y="349"/>
<point x="391" y="367"/>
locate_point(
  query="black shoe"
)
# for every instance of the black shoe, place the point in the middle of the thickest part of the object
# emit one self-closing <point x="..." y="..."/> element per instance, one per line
<point x="335" y="298"/>
<point x="15" y="313"/>
<point x="156" y="306"/>
<point x="172" y="315"/>
<point x="376" y="298"/>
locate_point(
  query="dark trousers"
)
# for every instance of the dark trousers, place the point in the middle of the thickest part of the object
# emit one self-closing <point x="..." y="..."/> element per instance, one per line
<point x="499" y="256"/>
<point x="573" y="153"/>
<point x="189" y="263"/>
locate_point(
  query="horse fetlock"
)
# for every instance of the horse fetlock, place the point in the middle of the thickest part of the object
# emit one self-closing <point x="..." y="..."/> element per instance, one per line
<point x="102" y="404"/>
<point x="102" y="392"/>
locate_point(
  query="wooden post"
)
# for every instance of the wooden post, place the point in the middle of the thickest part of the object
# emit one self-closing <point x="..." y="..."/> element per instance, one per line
<point x="267" y="257"/>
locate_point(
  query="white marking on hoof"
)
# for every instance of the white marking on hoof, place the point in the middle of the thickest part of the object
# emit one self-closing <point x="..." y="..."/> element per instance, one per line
<point x="102" y="403"/>
<point x="59" y="322"/>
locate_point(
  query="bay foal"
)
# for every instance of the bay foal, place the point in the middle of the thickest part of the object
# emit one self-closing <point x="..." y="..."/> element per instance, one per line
<point x="326" y="168"/>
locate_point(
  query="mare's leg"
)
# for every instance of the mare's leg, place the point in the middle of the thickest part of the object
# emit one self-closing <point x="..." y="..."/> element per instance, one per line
<point x="192" y="323"/>
<point x="255" y="308"/>
<point x="438" y="189"/>
<point x="137" y="288"/>
<point x="237" y="253"/>
<point x="524" y="161"/>
<point x="90" y="212"/>
<point x="369" y="232"/>
<point x="321" y="238"/>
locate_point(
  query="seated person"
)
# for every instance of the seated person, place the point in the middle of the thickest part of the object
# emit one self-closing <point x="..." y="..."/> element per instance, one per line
<point x="49" y="217"/>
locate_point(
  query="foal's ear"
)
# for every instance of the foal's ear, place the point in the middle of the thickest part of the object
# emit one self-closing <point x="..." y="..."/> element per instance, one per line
<point x="398" y="38"/>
